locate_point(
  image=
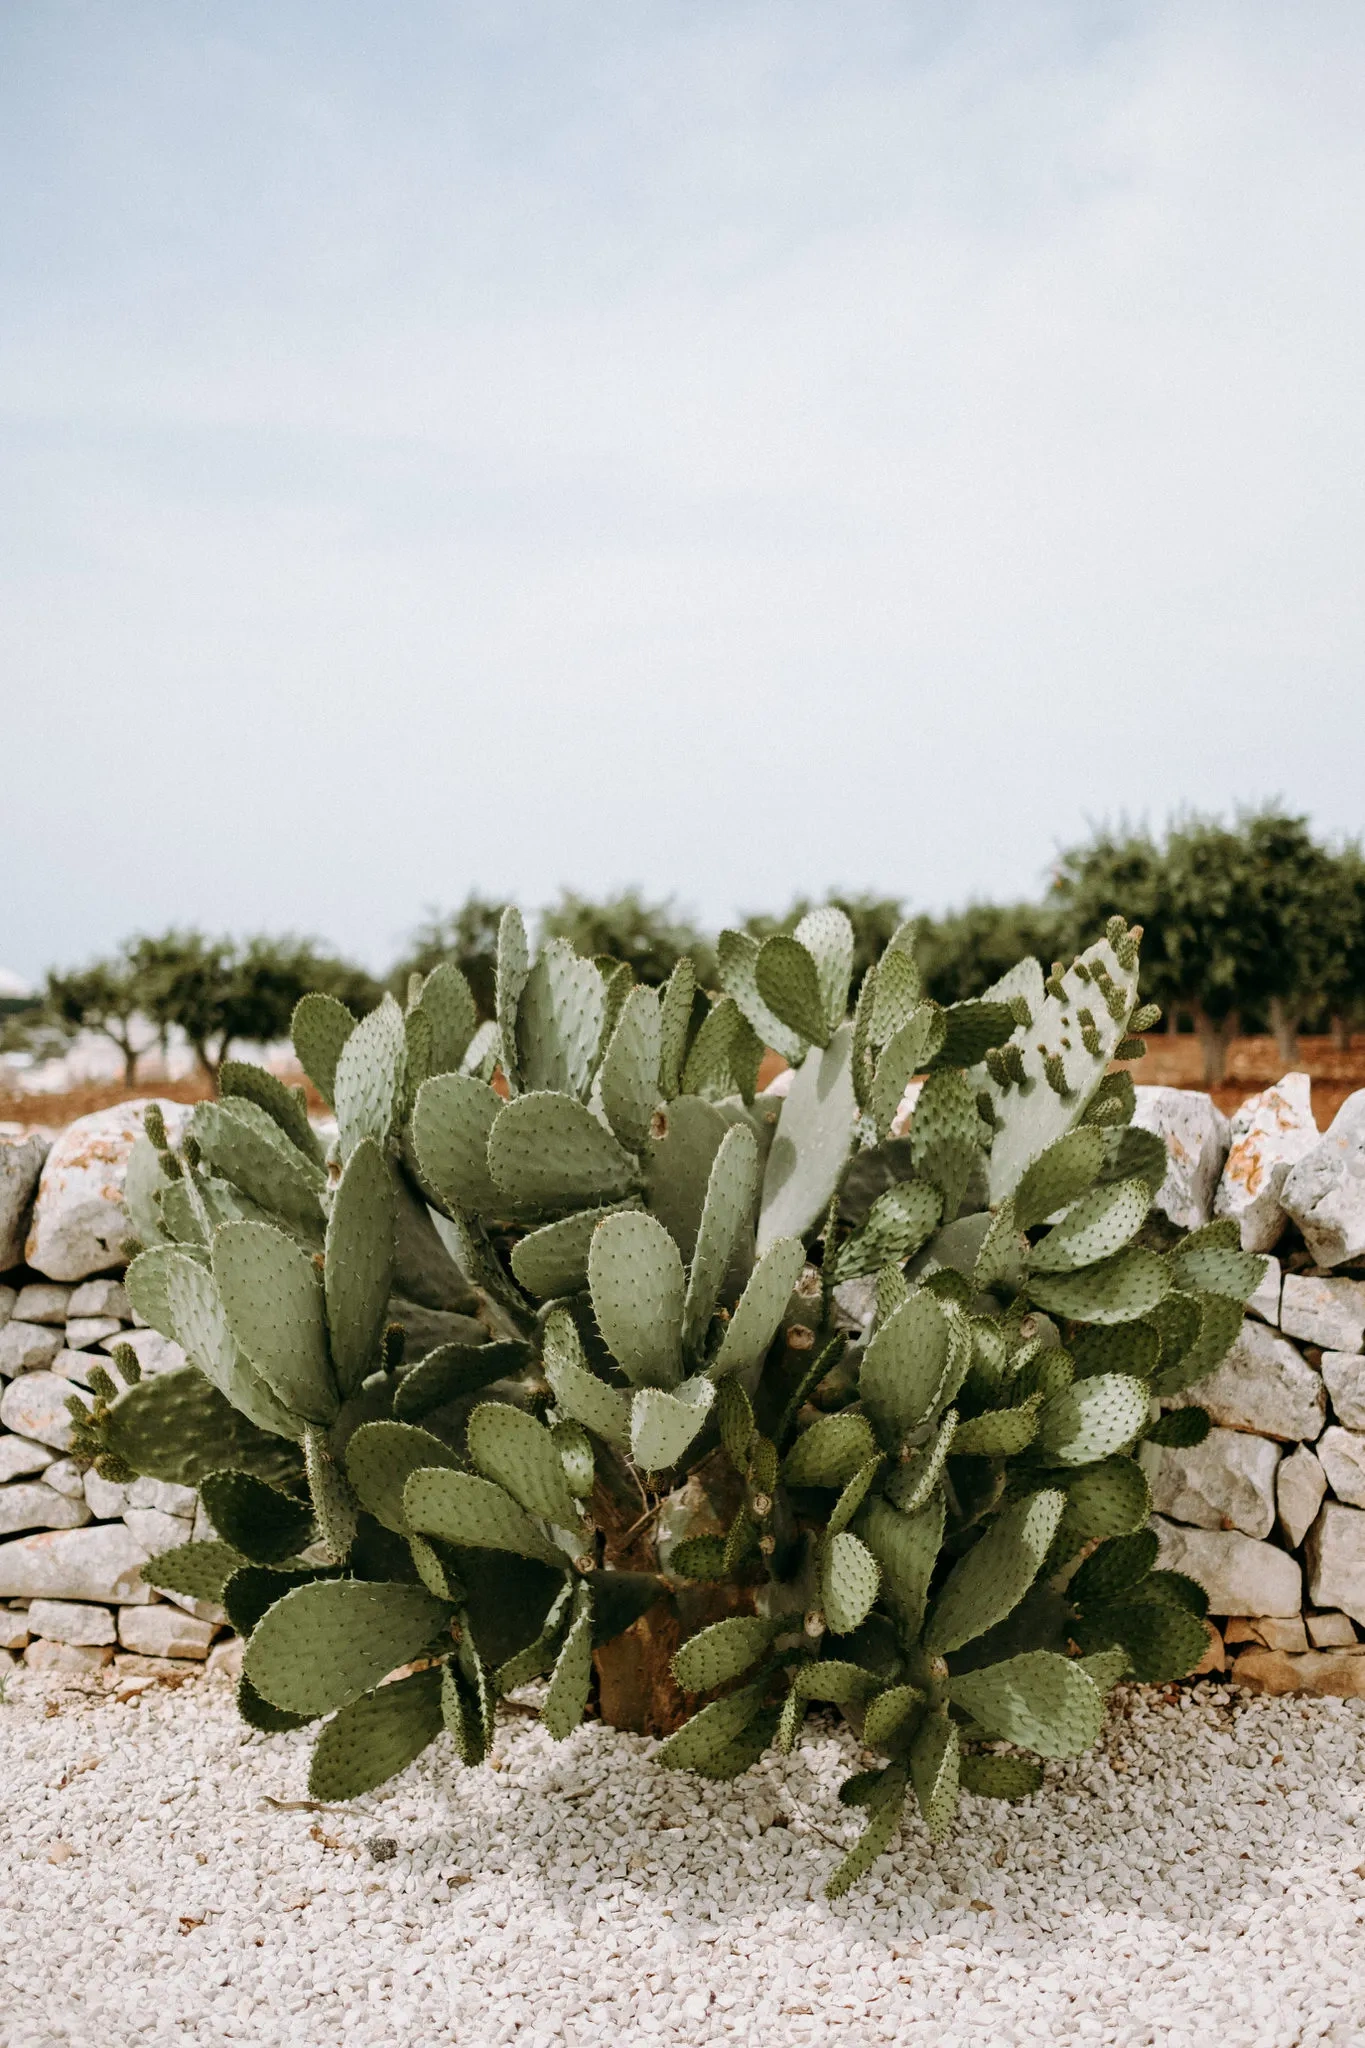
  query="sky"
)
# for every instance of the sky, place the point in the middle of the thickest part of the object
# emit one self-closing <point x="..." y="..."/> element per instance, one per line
<point x="730" y="449"/>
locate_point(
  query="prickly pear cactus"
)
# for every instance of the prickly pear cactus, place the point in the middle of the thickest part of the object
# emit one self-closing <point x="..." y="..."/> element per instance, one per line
<point x="575" y="1359"/>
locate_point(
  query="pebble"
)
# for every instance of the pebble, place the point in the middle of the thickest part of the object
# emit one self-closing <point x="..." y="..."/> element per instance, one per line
<point x="1198" y="1876"/>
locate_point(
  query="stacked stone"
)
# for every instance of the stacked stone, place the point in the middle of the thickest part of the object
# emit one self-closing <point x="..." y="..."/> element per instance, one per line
<point x="71" y="1545"/>
<point x="1268" y="1513"/>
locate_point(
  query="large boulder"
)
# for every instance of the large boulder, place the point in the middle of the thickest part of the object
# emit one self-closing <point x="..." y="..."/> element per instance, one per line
<point x="1239" y="1575"/>
<point x="79" y="1223"/>
<point x="21" y="1162"/>
<point x="1264" y="1385"/>
<point x="1325" y="1192"/>
<point x="1195" y="1134"/>
<point x="1269" y="1133"/>
<point x="103" y="1562"/>
<point x="1335" y="1556"/>
<point x="1228" y="1480"/>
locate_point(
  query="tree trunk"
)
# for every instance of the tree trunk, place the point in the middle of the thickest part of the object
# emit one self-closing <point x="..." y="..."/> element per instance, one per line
<point x="1285" y="1025"/>
<point x="1341" y="1033"/>
<point x="1215" y="1036"/>
<point x="130" y="1059"/>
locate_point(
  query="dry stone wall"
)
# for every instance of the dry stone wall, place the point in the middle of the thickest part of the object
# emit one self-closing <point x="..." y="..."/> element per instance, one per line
<point x="72" y="1544"/>
<point x="1268" y="1512"/>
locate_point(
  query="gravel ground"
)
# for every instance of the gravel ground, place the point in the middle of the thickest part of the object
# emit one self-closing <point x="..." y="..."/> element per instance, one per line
<point x="1204" y="1870"/>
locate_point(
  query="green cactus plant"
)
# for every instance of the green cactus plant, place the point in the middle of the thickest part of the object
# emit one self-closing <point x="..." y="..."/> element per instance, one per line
<point x="460" y="1380"/>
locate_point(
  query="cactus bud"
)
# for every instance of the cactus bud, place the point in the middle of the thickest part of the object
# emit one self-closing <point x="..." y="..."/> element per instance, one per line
<point x="1054" y="1072"/>
<point x="1054" y="983"/>
<point x="1130" y="1049"/>
<point x="1079" y="969"/>
<point x="1020" y="1011"/>
<point x="658" y="1125"/>
<point x="102" y="1384"/>
<point x="414" y="990"/>
<point x="761" y="1505"/>
<point x="767" y="1544"/>
<point x="1145" y="1017"/>
<point x="814" y="1623"/>
<point x="799" y="1338"/>
<point x="126" y="1359"/>
<point x="1116" y="929"/>
<point x="191" y="1150"/>
<point x="154" y="1124"/>
<point x="130" y="1249"/>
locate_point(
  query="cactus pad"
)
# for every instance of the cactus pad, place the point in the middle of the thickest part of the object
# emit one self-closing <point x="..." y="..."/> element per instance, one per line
<point x="760" y="1309"/>
<point x="990" y="1581"/>
<point x="731" y="1191"/>
<point x="549" y="1151"/>
<point x="474" y="1512"/>
<point x="326" y="1643"/>
<point x="358" y="1269"/>
<point x="662" y="1425"/>
<point x="376" y="1736"/>
<point x="1040" y="1700"/>
<point x="830" y="1451"/>
<point x="320" y="1028"/>
<point x="273" y="1301"/>
<point x="1092" y="1419"/>
<point x="518" y="1453"/>
<point x="849" y="1578"/>
<point x="380" y="1458"/>
<point x="370" y="1078"/>
<point x="1117" y="1290"/>
<point x="1095" y="1227"/>
<point x="635" y="1275"/>
<point x="721" y="1652"/>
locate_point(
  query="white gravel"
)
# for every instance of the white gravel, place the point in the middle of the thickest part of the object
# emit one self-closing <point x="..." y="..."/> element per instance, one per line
<point x="1201" y="1876"/>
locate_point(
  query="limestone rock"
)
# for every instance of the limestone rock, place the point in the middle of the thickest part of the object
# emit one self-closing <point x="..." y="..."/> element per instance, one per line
<point x="202" y="1610"/>
<point x="79" y="1222"/>
<point x="1330" y="1631"/>
<point x="161" y="1493"/>
<point x="1344" y="1372"/>
<point x="71" y="1621"/>
<point x="99" y="1563"/>
<point x="1334" y="1553"/>
<point x="42" y="1301"/>
<point x="107" y="1501"/>
<point x="227" y="1658"/>
<point x="164" y="1632"/>
<point x="64" y="1474"/>
<point x="1265" y="1302"/>
<point x="67" y="1657"/>
<point x="28" y="1504"/>
<point x="100" y="1298"/>
<point x="21" y="1162"/>
<point x="8" y="1297"/>
<point x="1300" y="1485"/>
<point x="1227" y="1481"/>
<point x="1215" y="1656"/>
<point x="77" y="1366"/>
<point x="1325" y="1193"/>
<point x="1240" y="1575"/>
<point x="1283" y="1632"/>
<point x="155" y="1353"/>
<point x="1265" y="1385"/>
<point x="36" y="1406"/>
<point x="1195" y="1134"/>
<point x="1342" y="1455"/>
<point x="1268" y="1134"/>
<point x="1336" y="1674"/>
<point x="1326" y="1312"/>
<point x="83" y="1331"/>
<point x="27" y="1347"/>
<point x="20" y="1457"/>
<point x="13" y="1628"/>
<point x="156" y="1531"/>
